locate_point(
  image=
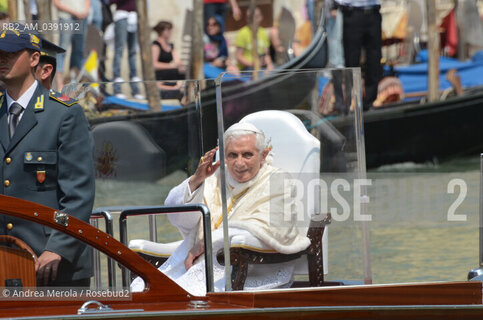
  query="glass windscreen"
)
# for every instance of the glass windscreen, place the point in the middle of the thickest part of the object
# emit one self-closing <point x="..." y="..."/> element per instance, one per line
<point x="302" y="169"/>
<point x="390" y="224"/>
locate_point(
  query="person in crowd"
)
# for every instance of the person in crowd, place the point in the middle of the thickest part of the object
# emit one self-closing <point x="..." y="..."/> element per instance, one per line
<point x="47" y="149"/>
<point x="310" y="8"/>
<point x="95" y="14"/>
<point x="362" y="30"/>
<point x="219" y="8"/>
<point x="33" y="10"/>
<point x="341" y="79"/>
<point x="243" y="44"/>
<point x="334" y="35"/>
<point x="216" y="48"/>
<point x="125" y="30"/>
<point x="258" y="204"/>
<point x="166" y="62"/>
<point x="278" y="53"/>
<point x="303" y="37"/>
<point x="45" y="70"/>
<point x="69" y="11"/>
<point x="3" y="5"/>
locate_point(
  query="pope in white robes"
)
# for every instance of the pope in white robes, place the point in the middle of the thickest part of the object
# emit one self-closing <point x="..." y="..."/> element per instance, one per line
<point x="259" y="205"/>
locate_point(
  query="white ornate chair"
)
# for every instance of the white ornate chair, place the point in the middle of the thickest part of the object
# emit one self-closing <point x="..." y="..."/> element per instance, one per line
<point x="297" y="152"/>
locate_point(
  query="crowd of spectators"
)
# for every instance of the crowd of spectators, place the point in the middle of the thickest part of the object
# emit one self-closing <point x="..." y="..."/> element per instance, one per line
<point x="116" y="22"/>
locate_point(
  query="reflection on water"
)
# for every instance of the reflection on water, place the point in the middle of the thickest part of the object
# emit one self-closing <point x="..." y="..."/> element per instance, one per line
<point x="124" y="193"/>
<point x="128" y="193"/>
<point x="410" y="236"/>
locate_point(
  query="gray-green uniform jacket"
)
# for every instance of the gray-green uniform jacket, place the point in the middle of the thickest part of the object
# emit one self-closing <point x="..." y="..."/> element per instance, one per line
<point x="49" y="160"/>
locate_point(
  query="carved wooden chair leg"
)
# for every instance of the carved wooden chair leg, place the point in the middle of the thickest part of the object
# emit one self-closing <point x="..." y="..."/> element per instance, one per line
<point x="241" y="257"/>
<point x="314" y="251"/>
<point x="239" y="265"/>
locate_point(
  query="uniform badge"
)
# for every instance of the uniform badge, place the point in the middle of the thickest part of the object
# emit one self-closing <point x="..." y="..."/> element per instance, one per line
<point x="65" y="100"/>
<point x="41" y="176"/>
<point x="28" y="156"/>
<point x="39" y="105"/>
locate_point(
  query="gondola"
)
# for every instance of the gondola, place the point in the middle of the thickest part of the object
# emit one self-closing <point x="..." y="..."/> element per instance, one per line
<point x="185" y="123"/>
<point x="401" y="132"/>
<point x="427" y="132"/>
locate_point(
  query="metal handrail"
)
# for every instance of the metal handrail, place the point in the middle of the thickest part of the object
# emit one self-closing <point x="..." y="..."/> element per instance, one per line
<point x="135" y="211"/>
<point x="111" y="270"/>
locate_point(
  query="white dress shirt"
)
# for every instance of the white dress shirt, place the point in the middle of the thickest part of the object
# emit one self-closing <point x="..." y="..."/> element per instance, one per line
<point x="23" y="101"/>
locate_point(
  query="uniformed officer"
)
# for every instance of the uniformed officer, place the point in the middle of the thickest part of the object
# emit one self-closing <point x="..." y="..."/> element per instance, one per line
<point x="45" y="70"/>
<point x="46" y="157"/>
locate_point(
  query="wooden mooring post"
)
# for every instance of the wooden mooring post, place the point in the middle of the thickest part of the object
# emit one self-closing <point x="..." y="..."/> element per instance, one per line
<point x="433" y="51"/>
<point x="152" y="91"/>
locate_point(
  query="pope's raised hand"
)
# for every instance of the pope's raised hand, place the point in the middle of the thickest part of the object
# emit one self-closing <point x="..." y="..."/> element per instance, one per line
<point x="206" y="168"/>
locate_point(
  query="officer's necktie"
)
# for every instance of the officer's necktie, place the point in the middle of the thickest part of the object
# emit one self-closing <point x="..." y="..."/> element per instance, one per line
<point x="15" y="112"/>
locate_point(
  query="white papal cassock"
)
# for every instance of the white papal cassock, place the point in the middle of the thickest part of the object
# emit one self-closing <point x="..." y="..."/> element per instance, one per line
<point x="261" y="207"/>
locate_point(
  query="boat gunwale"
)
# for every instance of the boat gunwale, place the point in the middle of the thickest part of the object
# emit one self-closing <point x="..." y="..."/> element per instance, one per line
<point x="263" y="311"/>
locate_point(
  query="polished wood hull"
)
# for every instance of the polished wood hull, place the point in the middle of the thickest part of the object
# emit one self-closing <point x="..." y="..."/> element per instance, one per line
<point x="424" y="301"/>
<point x="164" y="299"/>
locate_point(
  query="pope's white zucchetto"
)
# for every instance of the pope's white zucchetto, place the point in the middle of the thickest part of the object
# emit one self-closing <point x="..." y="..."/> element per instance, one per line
<point x="243" y="126"/>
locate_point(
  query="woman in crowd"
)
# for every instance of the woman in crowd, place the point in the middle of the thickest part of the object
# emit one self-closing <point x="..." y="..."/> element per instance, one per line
<point x="216" y="48"/>
<point x="243" y="43"/>
<point x="166" y="61"/>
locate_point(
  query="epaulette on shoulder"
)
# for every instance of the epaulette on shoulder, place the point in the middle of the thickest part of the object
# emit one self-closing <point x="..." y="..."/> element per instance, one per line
<point x="65" y="100"/>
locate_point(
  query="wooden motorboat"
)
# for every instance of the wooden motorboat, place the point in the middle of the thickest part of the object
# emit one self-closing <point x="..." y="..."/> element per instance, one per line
<point x="164" y="299"/>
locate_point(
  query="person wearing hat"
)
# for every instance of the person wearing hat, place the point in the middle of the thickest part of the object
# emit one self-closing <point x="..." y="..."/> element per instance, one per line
<point x="46" y="149"/>
<point x="45" y="70"/>
<point x="258" y="203"/>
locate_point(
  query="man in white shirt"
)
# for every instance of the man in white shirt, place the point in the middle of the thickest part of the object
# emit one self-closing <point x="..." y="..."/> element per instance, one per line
<point x="362" y="30"/>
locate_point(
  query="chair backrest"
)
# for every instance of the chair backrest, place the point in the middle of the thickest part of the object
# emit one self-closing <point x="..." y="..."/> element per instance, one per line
<point x="294" y="150"/>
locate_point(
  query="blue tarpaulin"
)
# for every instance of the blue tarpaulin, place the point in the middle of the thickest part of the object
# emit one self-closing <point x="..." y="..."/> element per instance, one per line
<point x="414" y="78"/>
<point x="212" y="72"/>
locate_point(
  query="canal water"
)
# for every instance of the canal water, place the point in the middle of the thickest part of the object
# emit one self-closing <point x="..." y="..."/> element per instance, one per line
<point x="423" y="221"/>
